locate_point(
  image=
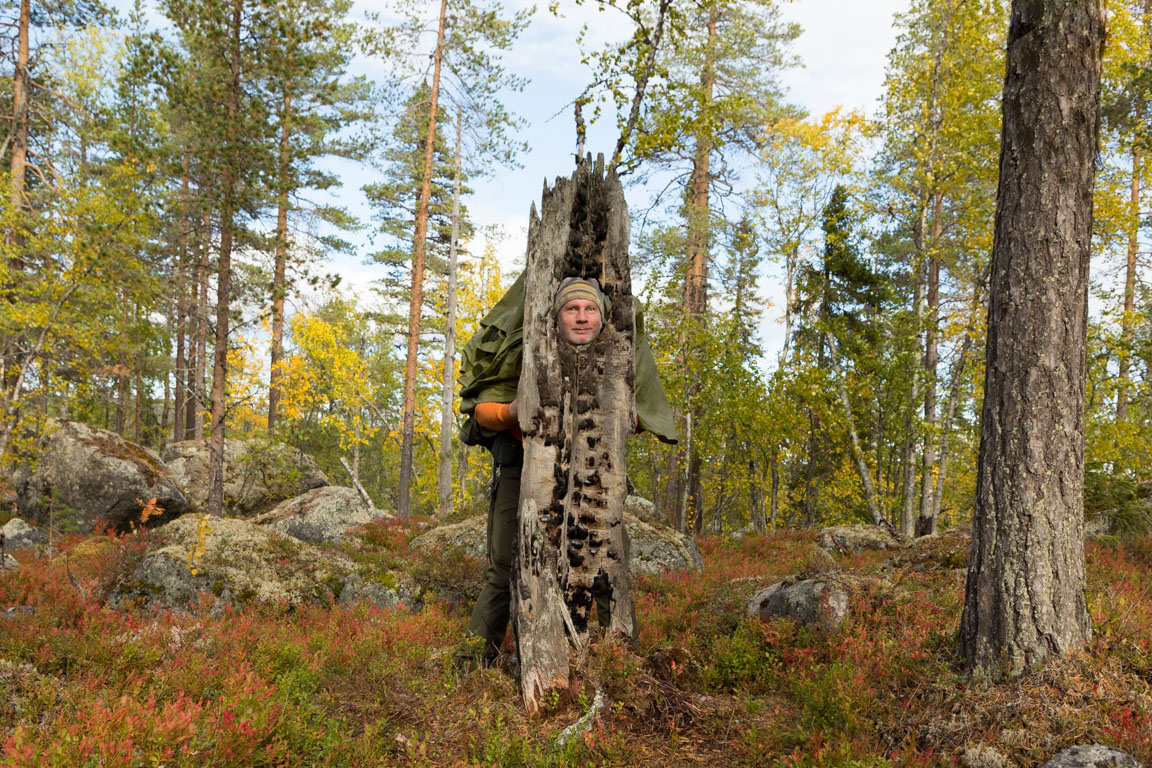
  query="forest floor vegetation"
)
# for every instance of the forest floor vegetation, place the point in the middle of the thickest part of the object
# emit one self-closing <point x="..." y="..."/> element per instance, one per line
<point x="706" y="684"/>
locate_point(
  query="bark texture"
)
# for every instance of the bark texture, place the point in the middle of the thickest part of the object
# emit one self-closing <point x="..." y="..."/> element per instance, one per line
<point x="576" y="410"/>
<point x="1025" y="590"/>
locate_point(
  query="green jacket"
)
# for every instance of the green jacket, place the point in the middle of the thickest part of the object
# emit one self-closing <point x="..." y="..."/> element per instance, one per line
<point x="490" y="367"/>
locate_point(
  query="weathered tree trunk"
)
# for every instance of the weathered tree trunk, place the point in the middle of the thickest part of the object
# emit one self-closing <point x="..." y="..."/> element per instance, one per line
<point x="1025" y="590"/>
<point x="416" y="305"/>
<point x="447" y="422"/>
<point x="576" y="409"/>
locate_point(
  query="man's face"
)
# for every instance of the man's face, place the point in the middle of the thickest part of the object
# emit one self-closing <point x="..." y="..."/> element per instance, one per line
<point x="580" y="321"/>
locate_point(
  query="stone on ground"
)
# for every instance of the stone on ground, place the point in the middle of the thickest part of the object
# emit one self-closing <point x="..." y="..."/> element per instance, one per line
<point x="947" y="550"/>
<point x="851" y="539"/>
<point x="237" y="562"/>
<point x="86" y="477"/>
<point x="1093" y="756"/>
<point x="21" y="537"/>
<point x="655" y="548"/>
<point x="820" y="602"/>
<point x="322" y="514"/>
<point x="257" y="475"/>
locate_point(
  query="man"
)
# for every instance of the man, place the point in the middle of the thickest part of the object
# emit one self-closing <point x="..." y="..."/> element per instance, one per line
<point x="490" y="368"/>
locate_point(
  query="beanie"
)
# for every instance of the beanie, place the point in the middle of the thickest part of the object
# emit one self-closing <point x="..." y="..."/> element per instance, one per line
<point x="578" y="288"/>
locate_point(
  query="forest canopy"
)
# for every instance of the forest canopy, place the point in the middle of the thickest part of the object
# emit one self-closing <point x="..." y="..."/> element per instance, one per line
<point x="179" y="180"/>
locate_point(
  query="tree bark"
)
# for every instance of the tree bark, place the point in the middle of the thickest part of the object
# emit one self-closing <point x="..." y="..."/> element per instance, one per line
<point x="419" y="244"/>
<point x="447" y="422"/>
<point x="908" y="509"/>
<point x="198" y="372"/>
<point x="576" y="409"/>
<point x="19" y="162"/>
<point x="181" y="295"/>
<point x="279" y="287"/>
<point x="696" y="289"/>
<point x="926" y="524"/>
<point x="224" y="284"/>
<point x="1025" y="590"/>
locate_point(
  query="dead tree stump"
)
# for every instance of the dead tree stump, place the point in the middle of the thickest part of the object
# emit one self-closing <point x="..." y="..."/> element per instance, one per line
<point x="576" y="409"/>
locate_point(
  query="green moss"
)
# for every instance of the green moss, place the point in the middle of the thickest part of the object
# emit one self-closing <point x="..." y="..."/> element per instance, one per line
<point x="335" y="584"/>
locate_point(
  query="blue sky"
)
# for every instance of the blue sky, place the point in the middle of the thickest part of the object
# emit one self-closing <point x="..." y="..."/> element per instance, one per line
<point x="842" y="49"/>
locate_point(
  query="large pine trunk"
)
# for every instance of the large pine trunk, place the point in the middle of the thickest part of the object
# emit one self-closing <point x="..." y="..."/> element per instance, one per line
<point x="1025" y="591"/>
<point x="576" y="410"/>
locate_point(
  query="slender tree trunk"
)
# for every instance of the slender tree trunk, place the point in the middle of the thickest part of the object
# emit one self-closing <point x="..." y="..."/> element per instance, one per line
<point x="946" y="429"/>
<point x="1126" y="320"/>
<point x="696" y="289"/>
<point x="926" y="524"/>
<point x="172" y="324"/>
<point x="197" y="388"/>
<point x="653" y="42"/>
<point x="954" y="398"/>
<point x="447" y="422"/>
<point x="419" y="244"/>
<point x="775" y="508"/>
<point x="850" y="420"/>
<point x="224" y="284"/>
<point x="908" y="510"/>
<point x="12" y="361"/>
<point x="19" y="162"/>
<point x="179" y="367"/>
<point x="1025" y="599"/>
<point x="279" y="288"/>
<point x="139" y="410"/>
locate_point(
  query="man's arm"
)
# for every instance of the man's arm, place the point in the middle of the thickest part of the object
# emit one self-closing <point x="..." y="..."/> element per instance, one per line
<point x="497" y="416"/>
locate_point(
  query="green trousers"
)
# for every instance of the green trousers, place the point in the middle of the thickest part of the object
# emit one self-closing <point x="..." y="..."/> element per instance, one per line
<point x="490" y="614"/>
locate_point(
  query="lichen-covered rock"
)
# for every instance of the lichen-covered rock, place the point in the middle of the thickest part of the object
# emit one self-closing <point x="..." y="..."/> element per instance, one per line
<point x="642" y="509"/>
<point x="322" y="514"/>
<point x="8" y="563"/>
<point x="654" y="549"/>
<point x="86" y="477"/>
<point x="819" y="602"/>
<point x="21" y="537"/>
<point x="1093" y="756"/>
<point x="257" y="475"/>
<point x="850" y="539"/>
<point x="225" y="560"/>
<point x="660" y="548"/>
<point x="391" y="591"/>
<point x="470" y="536"/>
<point x="947" y="550"/>
<point x="980" y="756"/>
